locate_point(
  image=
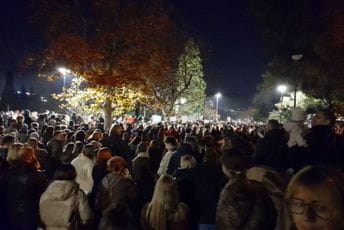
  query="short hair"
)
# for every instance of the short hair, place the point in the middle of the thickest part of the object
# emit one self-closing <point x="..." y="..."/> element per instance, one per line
<point x="56" y="133"/>
<point x="80" y="135"/>
<point x="211" y="156"/>
<point x="142" y="147"/>
<point x="187" y="161"/>
<point x="171" y="140"/>
<point x="234" y="159"/>
<point x="103" y="155"/>
<point x="26" y="155"/>
<point x="65" y="172"/>
<point x="329" y="115"/>
<point x="88" y="151"/>
<point x="274" y="124"/>
<point x="116" y="164"/>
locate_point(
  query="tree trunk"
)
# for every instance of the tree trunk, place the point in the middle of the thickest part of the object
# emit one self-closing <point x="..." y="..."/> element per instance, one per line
<point x="107" y="114"/>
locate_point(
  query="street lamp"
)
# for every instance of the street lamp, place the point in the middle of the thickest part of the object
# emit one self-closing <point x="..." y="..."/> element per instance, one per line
<point x="64" y="72"/>
<point x="218" y="95"/>
<point x="297" y="58"/>
<point x="282" y="89"/>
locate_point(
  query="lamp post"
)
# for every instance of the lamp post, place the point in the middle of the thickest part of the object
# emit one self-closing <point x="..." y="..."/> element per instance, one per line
<point x="218" y="95"/>
<point x="297" y="58"/>
<point x="282" y="89"/>
<point x="64" y="72"/>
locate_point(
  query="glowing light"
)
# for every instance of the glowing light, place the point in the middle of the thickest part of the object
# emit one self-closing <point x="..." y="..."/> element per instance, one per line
<point x="64" y="71"/>
<point x="282" y="88"/>
<point x="218" y="95"/>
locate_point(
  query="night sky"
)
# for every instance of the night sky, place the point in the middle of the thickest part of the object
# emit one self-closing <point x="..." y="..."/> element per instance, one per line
<point x="231" y="45"/>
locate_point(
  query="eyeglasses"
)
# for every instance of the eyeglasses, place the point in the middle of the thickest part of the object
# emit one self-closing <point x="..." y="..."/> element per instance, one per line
<point x="298" y="206"/>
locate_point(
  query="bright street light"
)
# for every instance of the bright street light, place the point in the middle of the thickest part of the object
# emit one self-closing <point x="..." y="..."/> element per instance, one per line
<point x="64" y="72"/>
<point x="218" y="95"/>
<point x="282" y="89"/>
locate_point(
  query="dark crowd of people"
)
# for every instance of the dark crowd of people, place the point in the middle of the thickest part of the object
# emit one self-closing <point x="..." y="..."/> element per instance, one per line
<point x="57" y="174"/>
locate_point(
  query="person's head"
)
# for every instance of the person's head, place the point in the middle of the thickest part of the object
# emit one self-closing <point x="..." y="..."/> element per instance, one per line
<point x="58" y="135"/>
<point x="315" y="198"/>
<point x="272" y="124"/>
<point x="211" y="156"/>
<point x="116" y="130"/>
<point x="234" y="162"/>
<point x="96" y="135"/>
<point x="187" y="161"/>
<point x="165" y="192"/>
<point x="170" y="143"/>
<point x="12" y="154"/>
<point x="20" y="119"/>
<point x="89" y="151"/>
<point x="68" y="148"/>
<point x="78" y="147"/>
<point x="33" y="143"/>
<point x="154" y="144"/>
<point x="27" y="156"/>
<point x="80" y="135"/>
<point x="165" y="200"/>
<point x="103" y="155"/>
<point x="7" y="141"/>
<point x="116" y="164"/>
<point x="324" y="117"/>
<point x="65" y="172"/>
<point x="142" y="147"/>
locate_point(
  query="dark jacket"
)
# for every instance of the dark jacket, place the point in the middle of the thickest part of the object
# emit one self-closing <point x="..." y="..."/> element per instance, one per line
<point x="272" y="151"/>
<point x="321" y="146"/>
<point x="187" y="191"/>
<point x="155" y="156"/>
<point x="21" y="187"/>
<point x="115" y="191"/>
<point x="112" y="190"/>
<point x="209" y="181"/>
<point x="245" y="206"/>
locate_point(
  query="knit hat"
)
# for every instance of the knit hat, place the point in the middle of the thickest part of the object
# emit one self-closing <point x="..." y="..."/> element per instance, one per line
<point x="297" y="114"/>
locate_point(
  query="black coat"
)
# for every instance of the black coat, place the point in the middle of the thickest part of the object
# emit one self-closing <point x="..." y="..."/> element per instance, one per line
<point x="209" y="181"/>
<point x="21" y="187"/>
<point x="272" y="151"/>
<point x="321" y="146"/>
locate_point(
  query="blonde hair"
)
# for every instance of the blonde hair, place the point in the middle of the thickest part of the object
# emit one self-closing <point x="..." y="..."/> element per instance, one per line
<point x="187" y="162"/>
<point x="12" y="154"/>
<point x="165" y="200"/>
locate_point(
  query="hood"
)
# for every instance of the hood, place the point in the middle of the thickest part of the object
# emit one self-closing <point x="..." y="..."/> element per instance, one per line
<point x="62" y="189"/>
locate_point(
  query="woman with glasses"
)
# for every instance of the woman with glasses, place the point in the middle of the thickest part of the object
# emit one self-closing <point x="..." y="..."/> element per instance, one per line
<point x="315" y="199"/>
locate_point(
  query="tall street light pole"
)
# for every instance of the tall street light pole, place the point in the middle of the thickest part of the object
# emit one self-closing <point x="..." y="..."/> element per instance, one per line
<point x="297" y="58"/>
<point x="218" y="95"/>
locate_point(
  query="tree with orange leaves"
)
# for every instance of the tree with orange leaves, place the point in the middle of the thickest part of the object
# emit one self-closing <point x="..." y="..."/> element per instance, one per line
<point x="113" y="44"/>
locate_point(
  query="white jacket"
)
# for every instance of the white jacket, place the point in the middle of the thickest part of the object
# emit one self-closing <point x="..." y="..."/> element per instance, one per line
<point x="83" y="166"/>
<point x="57" y="204"/>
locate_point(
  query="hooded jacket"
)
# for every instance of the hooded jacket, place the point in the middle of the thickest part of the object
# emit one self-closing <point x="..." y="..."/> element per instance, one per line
<point x="61" y="202"/>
